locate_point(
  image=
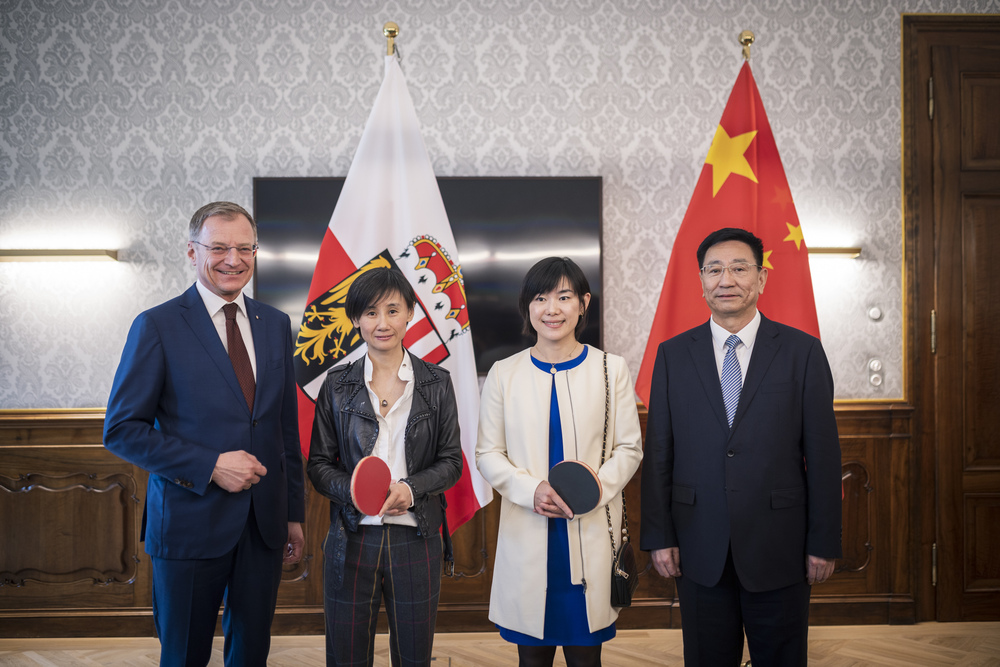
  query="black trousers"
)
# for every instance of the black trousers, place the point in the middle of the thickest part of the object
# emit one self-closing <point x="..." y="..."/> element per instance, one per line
<point x="714" y="618"/>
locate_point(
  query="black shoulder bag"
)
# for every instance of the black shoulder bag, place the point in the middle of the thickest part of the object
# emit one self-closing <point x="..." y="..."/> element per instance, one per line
<point x="624" y="572"/>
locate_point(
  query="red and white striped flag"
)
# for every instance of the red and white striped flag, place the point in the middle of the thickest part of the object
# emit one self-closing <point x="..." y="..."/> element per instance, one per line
<point x="390" y="213"/>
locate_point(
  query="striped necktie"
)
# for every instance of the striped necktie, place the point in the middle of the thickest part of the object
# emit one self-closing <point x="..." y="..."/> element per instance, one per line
<point x="732" y="378"/>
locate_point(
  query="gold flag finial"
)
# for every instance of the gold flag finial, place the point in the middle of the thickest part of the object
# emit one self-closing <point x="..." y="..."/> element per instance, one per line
<point x="391" y="31"/>
<point x="746" y="39"/>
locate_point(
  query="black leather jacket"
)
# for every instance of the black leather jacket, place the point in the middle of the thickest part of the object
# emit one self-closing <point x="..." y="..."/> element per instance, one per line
<point x="345" y="431"/>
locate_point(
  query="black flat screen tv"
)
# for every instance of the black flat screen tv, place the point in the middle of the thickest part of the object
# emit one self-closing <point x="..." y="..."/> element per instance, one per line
<point x="502" y="226"/>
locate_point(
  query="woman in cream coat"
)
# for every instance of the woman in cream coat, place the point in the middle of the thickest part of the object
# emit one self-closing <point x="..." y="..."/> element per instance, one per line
<point x="552" y="576"/>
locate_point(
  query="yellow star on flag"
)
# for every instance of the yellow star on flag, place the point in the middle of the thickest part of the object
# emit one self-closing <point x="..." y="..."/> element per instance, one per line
<point x="726" y="157"/>
<point x="794" y="234"/>
<point x="767" y="259"/>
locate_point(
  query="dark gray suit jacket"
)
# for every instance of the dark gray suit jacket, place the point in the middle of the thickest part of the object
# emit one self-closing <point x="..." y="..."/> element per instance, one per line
<point x="769" y="487"/>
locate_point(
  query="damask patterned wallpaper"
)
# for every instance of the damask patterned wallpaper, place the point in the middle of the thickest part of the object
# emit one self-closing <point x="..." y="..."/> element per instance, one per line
<point x="119" y="118"/>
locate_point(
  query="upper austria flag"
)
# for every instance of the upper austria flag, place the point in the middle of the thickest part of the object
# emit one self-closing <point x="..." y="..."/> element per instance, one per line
<point x="390" y="214"/>
<point x="741" y="185"/>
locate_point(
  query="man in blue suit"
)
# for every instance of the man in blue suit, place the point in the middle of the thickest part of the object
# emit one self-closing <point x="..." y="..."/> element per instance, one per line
<point x="741" y="475"/>
<point x="204" y="399"/>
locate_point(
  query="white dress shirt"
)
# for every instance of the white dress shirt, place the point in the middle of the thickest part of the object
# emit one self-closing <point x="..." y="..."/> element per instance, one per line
<point x="748" y="336"/>
<point x="214" y="304"/>
<point x="390" y="445"/>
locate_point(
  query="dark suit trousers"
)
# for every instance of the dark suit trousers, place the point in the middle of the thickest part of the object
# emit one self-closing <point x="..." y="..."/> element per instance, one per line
<point x="713" y="619"/>
<point x="187" y="595"/>
<point x="390" y="562"/>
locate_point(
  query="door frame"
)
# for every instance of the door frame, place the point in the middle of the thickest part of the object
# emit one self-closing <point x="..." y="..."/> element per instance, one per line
<point x="918" y="32"/>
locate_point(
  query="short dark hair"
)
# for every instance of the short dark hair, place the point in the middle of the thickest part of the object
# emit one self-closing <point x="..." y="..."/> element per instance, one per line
<point x="732" y="234"/>
<point x="227" y="209"/>
<point x="374" y="285"/>
<point x="544" y="277"/>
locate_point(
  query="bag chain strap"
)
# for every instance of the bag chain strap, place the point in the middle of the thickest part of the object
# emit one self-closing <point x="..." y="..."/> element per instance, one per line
<point x="607" y="508"/>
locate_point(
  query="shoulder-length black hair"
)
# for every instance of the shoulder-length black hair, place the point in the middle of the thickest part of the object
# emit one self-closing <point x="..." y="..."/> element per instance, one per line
<point x="544" y="277"/>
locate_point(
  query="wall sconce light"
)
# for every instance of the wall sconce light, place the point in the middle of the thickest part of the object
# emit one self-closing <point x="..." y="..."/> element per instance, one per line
<point x="58" y="255"/>
<point x="850" y="253"/>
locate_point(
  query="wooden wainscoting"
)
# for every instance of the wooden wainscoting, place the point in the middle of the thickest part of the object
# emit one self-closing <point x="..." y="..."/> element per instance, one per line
<point x="874" y="582"/>
<point x="72" y="565"/>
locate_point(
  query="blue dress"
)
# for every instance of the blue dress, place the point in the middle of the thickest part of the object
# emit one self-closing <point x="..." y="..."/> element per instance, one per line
<point x="565" y="605"/>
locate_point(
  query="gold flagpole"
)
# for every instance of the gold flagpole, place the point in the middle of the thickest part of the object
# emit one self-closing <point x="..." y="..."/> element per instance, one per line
<point x="746" y="39"/>
<point x="391" y="31"/>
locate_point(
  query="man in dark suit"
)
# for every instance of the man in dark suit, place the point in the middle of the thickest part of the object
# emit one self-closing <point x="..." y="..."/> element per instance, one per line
<point x="204" y="399"/>
<point x="741" y="475"/>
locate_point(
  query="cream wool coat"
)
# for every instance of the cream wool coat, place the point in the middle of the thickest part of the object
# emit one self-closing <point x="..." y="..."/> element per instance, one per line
<point x="512" y="454"/>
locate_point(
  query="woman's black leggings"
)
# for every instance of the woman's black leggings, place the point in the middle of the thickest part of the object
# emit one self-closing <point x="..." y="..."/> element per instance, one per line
<point x="543" y="656"/>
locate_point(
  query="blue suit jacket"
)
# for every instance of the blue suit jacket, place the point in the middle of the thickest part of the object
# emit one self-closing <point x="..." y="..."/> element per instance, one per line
<point x="176" y="405"/>
<point x="769" y="487"/>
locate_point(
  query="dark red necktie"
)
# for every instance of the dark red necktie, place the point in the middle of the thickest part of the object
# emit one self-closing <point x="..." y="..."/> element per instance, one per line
<point x="238" y="354"/>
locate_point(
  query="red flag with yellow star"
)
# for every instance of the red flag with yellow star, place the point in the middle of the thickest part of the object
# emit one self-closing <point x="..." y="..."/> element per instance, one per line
<point x="741" y="185"/>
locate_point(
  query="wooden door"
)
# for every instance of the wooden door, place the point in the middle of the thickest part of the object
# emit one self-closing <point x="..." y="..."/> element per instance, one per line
<point x="953" y="181"/>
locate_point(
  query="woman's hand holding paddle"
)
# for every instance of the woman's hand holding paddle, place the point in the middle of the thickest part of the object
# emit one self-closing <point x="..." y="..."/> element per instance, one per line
<point x="399" y="500"/>
<point x="549" y="504"/>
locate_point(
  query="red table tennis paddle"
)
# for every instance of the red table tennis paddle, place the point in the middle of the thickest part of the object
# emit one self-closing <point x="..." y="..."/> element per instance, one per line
<point x="370" y="485"/>
<point x="577" y="484"/>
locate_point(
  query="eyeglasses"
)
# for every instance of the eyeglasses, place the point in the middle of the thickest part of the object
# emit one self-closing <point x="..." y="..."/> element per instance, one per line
<point x="223" y="250"/>
<point x="737" y="270"/>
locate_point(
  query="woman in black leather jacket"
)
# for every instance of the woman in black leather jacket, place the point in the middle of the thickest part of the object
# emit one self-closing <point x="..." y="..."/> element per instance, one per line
<point x="393" y="405"/>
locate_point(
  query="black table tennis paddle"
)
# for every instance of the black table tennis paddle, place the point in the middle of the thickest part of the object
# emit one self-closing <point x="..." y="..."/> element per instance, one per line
<point x="577" y="484"/>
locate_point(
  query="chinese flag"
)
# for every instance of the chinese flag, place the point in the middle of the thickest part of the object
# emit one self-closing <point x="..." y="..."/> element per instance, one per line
<point x="390" y="214"/>
<point x="741" y="185"/>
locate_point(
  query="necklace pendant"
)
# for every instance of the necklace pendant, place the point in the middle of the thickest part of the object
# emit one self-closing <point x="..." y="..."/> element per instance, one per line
<point x="385" y="403"/>
<point x="553" y="370"/>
